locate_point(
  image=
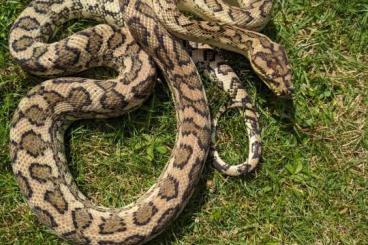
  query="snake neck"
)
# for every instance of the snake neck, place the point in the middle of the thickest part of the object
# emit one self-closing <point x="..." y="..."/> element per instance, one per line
<point x="252" y="15"/>
<point x="267" y="58"/>
<point x="217" y="34"/>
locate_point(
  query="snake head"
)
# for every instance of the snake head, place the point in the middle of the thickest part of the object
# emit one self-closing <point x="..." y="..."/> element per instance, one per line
<point x="271" y="64"/>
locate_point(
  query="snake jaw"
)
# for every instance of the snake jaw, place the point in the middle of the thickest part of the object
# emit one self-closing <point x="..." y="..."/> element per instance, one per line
<point x="281" y="87"/>
<point x="273" y="69"/>
<point x="286" y="94"/>
<point x="284" y="90"/>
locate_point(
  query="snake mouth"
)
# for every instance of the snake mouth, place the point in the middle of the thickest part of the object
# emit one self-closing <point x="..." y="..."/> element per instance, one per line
<point x="286" y="93"/>
<point x="280" y="91"/>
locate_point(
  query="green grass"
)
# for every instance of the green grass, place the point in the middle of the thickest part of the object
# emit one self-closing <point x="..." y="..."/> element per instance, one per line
<point x="312" y="187"/>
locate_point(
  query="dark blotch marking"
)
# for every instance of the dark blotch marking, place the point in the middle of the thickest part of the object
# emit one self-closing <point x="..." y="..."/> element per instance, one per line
<point x="36" y="115"/>
<point x="76" y="237"/>
<point x="111" y="225"/>
<point x="57" y="200"/>
<point x="165" y="219"/>
<point x="182" y="156"/>
<point x="40" y="172"/>
<point x="79" y="97"/>
<point x="27" y="23"/>
<point x="144" y="214"/>
<point x="24" y="185"/>
<point x="22" y="43"/>
<point x="81" y="218"/>
<point x="33" y="143"/>
<point x="45" y="217"/>
<point x="168" y="188"/>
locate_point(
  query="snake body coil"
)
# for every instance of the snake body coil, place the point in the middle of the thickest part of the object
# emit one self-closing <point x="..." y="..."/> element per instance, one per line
<point x="39" y="123"/>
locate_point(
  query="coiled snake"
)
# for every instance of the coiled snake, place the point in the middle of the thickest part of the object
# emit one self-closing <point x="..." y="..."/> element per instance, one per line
<point x="39" y="123"/>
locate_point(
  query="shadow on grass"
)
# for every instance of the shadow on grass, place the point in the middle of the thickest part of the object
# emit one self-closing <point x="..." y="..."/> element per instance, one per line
<point x="185" y="222"/>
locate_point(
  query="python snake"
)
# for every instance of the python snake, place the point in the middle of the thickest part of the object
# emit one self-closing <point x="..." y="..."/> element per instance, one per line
<point x="39" y="123"/>
<point x="267" y="58"/>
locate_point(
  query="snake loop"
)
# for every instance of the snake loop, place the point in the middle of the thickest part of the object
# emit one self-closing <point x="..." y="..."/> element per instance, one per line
<point x="216" y="70"/>
<point x="42" y="116"/>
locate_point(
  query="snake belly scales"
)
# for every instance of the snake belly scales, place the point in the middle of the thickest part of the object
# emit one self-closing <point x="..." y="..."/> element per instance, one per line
<point x="39" y="123"/>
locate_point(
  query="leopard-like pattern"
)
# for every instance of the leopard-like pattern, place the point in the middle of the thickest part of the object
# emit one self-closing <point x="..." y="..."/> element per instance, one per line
<point x="39" y="123"/>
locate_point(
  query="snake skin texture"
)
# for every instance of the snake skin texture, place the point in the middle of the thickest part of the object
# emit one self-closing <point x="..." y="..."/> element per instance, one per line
<point x="268" y="59"/>
<point x="133" y="41"/>
<point x="216" y="69"/>
<point x="252" y="15"/>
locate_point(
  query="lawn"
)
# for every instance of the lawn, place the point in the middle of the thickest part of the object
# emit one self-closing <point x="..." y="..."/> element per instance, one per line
<point x="312" y="187"/>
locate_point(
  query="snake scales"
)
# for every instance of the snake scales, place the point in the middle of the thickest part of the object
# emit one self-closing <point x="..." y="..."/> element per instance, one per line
<point x="39" y="123"/>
